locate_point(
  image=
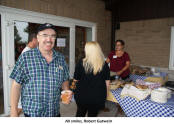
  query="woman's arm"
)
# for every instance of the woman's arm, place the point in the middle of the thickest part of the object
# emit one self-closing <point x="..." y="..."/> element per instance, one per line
<point x="107" y="86"/>
<point x="124" y="68"/>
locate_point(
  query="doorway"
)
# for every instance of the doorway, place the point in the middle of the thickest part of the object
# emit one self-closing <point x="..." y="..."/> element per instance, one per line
<point x="83" y="34"/>
<point x="1" y="76"/>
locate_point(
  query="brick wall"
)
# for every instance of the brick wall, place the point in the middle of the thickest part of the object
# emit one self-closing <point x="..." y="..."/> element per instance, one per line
<point x="147" y="41"/>
<point x="88" y="10"/>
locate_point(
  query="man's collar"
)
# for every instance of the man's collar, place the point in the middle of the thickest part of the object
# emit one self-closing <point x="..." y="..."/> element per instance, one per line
<point x="54" y="53"/>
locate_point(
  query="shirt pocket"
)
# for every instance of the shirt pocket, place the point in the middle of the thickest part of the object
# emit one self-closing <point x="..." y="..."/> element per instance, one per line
<point x="57" y="77"/>
<point x="59" y="73"/>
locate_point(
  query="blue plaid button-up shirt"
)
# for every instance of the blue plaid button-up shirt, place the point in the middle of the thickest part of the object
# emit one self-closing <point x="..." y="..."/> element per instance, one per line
<point x="40" y="82"/>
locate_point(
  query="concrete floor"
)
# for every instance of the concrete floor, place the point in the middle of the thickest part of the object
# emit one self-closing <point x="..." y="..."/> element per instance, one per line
<point x="70" y="110"/>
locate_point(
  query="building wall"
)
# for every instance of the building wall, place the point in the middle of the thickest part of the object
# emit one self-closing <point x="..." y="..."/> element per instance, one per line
<point x="87" y="10"/>
<point x="148" y="41"/>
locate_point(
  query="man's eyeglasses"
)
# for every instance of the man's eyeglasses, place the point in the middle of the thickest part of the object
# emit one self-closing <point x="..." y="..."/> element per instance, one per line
<point x="46" y="36"/>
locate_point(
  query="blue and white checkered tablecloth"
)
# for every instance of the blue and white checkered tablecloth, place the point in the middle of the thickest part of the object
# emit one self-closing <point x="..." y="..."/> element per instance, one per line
<point x="144" y="108"/>
<point x="134" y="77"/>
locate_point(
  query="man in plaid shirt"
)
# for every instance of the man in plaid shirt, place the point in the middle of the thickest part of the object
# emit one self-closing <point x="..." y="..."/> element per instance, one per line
<point x="38" y="76"/>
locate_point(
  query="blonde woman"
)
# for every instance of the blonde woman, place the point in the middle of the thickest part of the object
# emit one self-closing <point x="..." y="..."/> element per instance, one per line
<point x="92" y="76"/>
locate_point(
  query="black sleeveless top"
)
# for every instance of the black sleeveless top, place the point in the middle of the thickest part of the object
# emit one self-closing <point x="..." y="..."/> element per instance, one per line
<point x="90" y="88"/>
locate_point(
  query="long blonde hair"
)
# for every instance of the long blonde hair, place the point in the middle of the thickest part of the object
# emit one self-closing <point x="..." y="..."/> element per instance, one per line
<point x="94" y="58"/>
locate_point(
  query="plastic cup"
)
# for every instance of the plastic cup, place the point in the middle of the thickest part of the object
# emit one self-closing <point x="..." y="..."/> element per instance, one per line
<point x="65" y="94"/>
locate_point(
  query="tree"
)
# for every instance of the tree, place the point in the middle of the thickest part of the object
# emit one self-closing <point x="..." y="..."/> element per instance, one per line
<point x="17" y="37"/>
<point x="26" y="30"/>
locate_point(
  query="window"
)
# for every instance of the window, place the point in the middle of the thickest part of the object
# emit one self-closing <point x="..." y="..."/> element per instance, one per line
<point x="171" y="61"/>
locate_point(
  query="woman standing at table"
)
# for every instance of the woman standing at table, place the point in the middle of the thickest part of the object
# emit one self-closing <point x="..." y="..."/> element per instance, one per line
<point x="119" y="61"/>
<point x="92" y="75"/>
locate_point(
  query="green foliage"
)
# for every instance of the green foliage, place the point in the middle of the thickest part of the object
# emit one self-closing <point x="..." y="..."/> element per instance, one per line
<point x="17" y="37"/>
